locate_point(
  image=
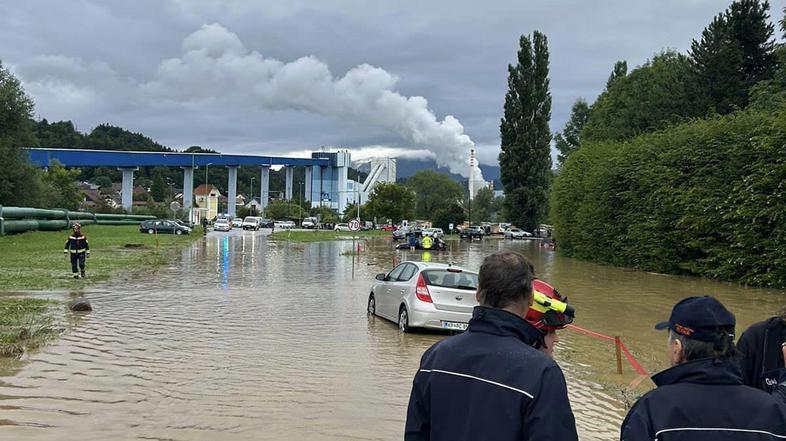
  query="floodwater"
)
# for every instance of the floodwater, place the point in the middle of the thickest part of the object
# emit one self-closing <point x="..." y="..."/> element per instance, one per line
<point x="249" y="339"/>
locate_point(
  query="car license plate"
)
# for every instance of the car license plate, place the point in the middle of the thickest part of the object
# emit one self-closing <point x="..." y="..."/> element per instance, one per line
<point x="455" y="326"/>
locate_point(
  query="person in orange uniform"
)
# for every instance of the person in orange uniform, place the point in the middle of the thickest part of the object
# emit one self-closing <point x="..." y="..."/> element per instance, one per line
<point x="78" y="248"/>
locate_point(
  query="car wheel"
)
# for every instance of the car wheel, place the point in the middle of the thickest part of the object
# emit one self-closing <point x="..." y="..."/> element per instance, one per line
<point x="178" y="232"/>
<point x="151" y="231"/>
<point x="403" y="320"/>
<point x="372" y="305"/>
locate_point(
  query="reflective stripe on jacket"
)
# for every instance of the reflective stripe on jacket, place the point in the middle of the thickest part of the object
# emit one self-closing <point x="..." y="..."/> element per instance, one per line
<point x="489" y="384"/>
<point x="76" y="245"/>
<point x="704" y="400"/>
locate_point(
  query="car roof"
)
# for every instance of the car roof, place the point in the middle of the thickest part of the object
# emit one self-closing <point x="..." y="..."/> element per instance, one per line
<point x="435" y="265"/>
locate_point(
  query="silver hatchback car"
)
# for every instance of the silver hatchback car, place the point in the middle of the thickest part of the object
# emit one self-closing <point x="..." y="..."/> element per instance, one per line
<point x="425" y="295"/>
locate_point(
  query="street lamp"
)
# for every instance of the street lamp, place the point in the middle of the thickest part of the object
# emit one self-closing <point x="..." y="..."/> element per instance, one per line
<point x="357" y="187"/>
<point x="251" y="197"/>
<point x="300" y="205"/>
<point x="169" y="181"/>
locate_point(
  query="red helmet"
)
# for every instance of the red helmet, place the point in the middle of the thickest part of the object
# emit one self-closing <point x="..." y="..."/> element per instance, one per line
<point x="550" y="310"/>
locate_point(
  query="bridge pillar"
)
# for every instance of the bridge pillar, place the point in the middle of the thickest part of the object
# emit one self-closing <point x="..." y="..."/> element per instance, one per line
<point x="290" y="174"/>
<point x="232" y="190"/>
<point x="264" y="187"/>
<point x="307" y="196"/>
<point x="188" y="189"/>
<point x="127" y="192"/>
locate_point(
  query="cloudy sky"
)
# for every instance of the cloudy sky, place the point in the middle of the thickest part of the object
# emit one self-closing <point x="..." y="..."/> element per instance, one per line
<point x="275" y="77"/>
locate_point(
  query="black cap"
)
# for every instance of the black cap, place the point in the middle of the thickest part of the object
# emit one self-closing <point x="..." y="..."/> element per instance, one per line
<point x="698" y="318"/>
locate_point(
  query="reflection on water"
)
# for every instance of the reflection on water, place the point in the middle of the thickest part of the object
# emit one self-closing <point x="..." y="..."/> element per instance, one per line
<point x="249" y="339"/>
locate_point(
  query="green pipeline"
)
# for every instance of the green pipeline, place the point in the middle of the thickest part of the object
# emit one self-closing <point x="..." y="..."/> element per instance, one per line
<point x="21" y="219"/>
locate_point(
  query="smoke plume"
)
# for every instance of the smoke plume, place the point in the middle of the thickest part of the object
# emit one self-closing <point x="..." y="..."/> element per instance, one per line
<point x="216" y="65"/>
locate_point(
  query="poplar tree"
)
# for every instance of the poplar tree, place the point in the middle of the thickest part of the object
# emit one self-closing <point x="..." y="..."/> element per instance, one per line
<point x="525" y="156"/>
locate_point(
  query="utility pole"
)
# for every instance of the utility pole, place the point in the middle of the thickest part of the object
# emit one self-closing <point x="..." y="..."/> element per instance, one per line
<point x="207" y="197"/>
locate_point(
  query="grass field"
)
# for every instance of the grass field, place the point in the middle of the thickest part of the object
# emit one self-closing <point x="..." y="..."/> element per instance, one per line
<point x="25" y="324"/>
<point x="321" y="235"/>
<point x="35" y="260"/>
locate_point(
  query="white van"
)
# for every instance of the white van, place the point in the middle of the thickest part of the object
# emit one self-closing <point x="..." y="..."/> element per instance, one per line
<point x="252" y="223"/>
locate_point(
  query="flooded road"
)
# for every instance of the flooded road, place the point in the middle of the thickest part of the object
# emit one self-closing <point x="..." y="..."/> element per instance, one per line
<point x="248" y="339"/>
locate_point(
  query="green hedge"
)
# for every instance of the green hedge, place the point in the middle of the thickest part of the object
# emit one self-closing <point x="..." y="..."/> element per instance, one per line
<point x="705" y="198"/>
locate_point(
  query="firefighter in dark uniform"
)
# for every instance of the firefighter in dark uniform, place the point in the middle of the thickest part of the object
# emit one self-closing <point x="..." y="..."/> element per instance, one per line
<point x="763" y="347"/>
<point x="77" y="247"/>
<point x="702" y="396"/>
<point x="490" y="383"/>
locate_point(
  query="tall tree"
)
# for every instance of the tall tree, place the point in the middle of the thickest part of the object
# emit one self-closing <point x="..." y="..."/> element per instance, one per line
<point x="736" y="51"/>
<point x="570" y="138"/>
<point x="61" y="188"/>
<point x="525" y="156"/>
<point x="482" y="204"/>
<point x="390" y="201"/>
<point x="452" y="214"/>
<point x="158" y="188"/>
<point x="20" y="182"/>
<point x="650" y="97"/>
<point x="434" y="191"/>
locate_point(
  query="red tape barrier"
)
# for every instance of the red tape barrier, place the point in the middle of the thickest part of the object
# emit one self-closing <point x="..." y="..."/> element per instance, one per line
<point x="631" y="359"/>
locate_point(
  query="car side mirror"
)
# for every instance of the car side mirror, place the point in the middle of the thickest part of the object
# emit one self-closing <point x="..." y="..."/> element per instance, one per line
<point x="381" y="277"/>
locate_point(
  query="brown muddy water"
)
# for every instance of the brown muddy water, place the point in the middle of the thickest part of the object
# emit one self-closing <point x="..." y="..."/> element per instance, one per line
<point x="249" y="339"/>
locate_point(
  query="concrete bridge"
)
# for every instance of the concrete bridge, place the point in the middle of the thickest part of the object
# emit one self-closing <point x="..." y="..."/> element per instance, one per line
<point x="326" y="172"/>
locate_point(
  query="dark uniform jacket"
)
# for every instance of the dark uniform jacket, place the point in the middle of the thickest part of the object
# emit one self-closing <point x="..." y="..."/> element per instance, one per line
<point x="762" y="362"/>
<point x="77" y="244"/>
<point x="704" y="400"/>
<point x="490" y="384"/>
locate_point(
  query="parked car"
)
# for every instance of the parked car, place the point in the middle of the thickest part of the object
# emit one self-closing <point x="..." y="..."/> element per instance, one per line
<point x="162" y="226"/>
<point x="400" y="234"/>
<point x="284" y="225"/>
<point x="266" y="223"/>
<point x="237" y="222"/>
<point x="437" y="233"/>
<point x="222" y="224"/>
<point x="473" y="232"/>
<point x="252" y="223"/>
<point x="184" y="224"/>
<point x="341" y="227"/>
<point x="516" y="233"/>
<point x="425" y="295"/>
<point x="388" y="227"/>
<point x="309" y="223"/>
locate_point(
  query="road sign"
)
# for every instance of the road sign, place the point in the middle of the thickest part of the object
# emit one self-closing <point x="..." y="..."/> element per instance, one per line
<point x="450" y="227"/>
<point x="354" y="225"/>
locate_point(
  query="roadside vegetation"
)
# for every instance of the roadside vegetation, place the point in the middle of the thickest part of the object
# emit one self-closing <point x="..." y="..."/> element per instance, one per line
<point x="679" y="165"/>
<point x="323" y="235"/>
<point x="35" y="260"/>
<point x="25" y="324"/>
